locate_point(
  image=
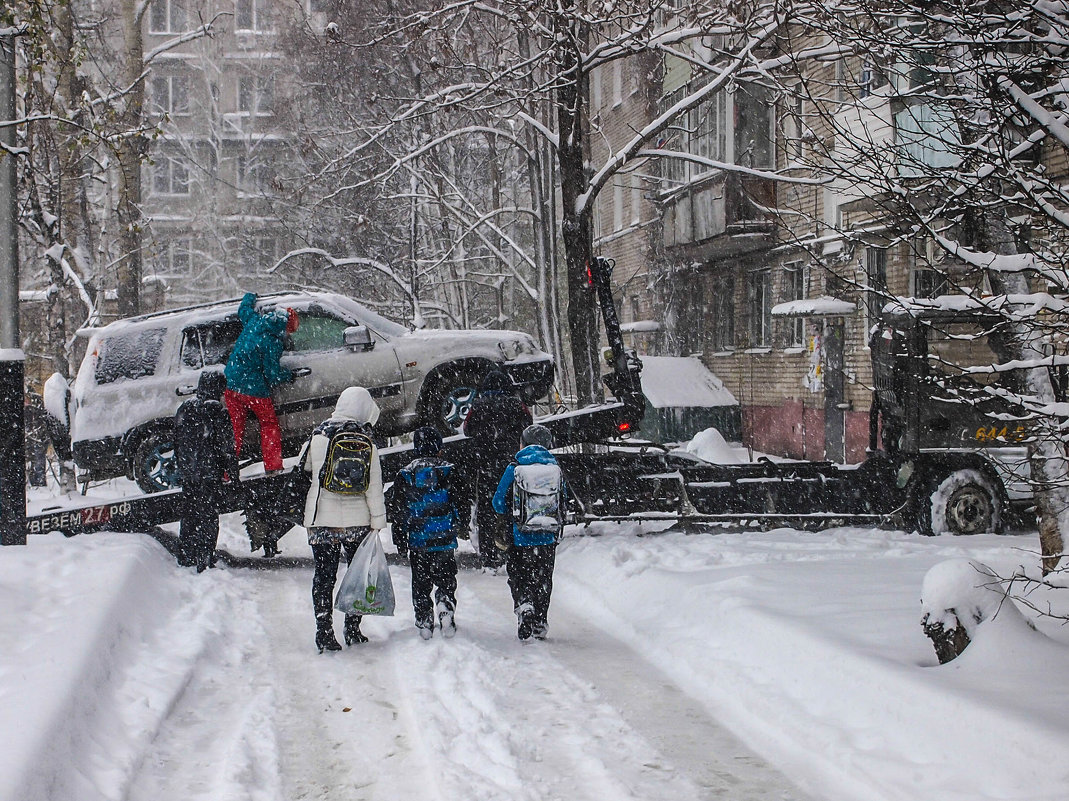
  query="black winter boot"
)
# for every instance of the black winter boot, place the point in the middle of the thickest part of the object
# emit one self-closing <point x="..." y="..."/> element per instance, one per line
<point x="325" y="639"/>
<point x="353" y="636"/>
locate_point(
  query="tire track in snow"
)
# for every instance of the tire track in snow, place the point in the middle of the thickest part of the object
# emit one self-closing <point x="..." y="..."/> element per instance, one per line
<point x="576" y="717"/>
<point x="481" y="717"/>
<point x="217" y="740"/>
<point x="677" y="726"/>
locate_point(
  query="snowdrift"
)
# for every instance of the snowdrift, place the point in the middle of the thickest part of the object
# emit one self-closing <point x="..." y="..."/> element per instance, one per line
<point x="810" y="647"/>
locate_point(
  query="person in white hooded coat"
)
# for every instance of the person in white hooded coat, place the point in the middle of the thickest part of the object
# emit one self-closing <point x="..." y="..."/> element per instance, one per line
<point x="338" y="523"/>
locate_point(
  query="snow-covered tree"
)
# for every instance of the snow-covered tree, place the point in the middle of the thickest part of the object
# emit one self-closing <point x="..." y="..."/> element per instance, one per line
<point x="536" y="82"/>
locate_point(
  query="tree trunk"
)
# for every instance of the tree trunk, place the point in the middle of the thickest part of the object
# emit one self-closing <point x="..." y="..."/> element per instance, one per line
<point x="131" y="150"/>
<point x="1047" y="454"/>
<point x="576" y="224"/>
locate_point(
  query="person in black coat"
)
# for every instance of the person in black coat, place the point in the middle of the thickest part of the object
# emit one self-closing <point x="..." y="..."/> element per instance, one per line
<point x="203" y="447"/>
<point x="495" y="423"/>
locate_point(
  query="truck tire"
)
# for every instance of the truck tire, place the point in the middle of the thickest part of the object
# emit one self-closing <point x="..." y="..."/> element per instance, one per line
<point x="154" y="465"/>
<point x="965" y="502"/>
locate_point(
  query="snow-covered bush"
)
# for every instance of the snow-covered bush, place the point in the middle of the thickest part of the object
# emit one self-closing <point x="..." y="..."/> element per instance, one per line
<point x="957" y="596"/>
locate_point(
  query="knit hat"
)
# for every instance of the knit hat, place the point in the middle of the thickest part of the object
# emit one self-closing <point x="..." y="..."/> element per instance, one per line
<point x="537" y="435"/>
<point x="426" y="442"/>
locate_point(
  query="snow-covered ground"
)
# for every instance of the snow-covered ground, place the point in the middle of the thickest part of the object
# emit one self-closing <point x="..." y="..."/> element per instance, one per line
<point x="738" y="665"/>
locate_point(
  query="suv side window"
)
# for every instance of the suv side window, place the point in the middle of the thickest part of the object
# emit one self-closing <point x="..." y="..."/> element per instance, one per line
<point x="210" y="344"/>
<point x="131" y="355"/>
<point x="318" y="331"/>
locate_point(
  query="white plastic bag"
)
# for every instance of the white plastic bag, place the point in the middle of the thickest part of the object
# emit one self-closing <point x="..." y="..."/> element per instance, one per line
<point x="366" y="587"/>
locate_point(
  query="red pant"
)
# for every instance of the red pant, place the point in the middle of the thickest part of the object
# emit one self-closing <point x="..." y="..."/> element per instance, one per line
<point x="270" y="434"/>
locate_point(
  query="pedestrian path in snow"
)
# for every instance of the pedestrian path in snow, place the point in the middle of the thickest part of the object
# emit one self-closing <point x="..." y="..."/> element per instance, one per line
<point x="479" y="717"/>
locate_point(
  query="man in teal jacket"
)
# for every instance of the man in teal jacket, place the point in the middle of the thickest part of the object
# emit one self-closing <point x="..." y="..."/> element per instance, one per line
<point x="253" y="371"/>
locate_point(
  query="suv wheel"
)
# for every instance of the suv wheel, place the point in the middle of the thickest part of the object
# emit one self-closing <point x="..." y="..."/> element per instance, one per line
<point x="155" y="467"/>
<point x="449" y="400"/>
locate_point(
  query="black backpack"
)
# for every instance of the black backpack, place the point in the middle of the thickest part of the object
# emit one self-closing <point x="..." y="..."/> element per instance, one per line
<point x="346" y="468"/>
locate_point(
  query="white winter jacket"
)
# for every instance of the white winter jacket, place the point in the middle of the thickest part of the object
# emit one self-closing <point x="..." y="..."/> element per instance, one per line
<point x="328" y="509"/>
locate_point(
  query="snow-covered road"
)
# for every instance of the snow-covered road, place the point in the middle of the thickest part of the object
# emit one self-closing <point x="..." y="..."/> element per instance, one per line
<point x="578" y="717"/>
<point x="742" y="664"/>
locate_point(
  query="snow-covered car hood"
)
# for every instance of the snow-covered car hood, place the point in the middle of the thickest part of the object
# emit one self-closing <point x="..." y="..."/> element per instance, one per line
<point x="512" y="346"/>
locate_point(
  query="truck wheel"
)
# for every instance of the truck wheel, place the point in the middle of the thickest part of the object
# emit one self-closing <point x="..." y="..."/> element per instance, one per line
<point x="154" y="465"/>
<point x="965" y="502"/>
<point x="449" y="400"/>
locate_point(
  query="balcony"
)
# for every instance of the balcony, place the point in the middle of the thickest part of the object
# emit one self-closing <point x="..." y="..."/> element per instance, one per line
<point x="720" y="214"/>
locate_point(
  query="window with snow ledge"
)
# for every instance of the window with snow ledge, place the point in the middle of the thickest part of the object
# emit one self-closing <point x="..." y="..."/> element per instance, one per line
<point x="794" y="282"/>
<point x="256" y="94"/>
<point x="170" y="93"/>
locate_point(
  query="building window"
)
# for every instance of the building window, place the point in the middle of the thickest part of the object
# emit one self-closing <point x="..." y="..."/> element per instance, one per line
<point x="875" y="283"/>
<point x="253" y="175"/>
<point x="167" y="16"/>
<point x="617" y="207"/>
<point x="256" y="94"/>
<point x="709" y="127"/>
<point x="595" y="91"/>
<point x="170" y="176"/>
<point x="676" y="137"/>
<point x="171" y="94"/>
<point x="261" y="252"/>
<point x="732" y="127"/>
<point x="754" y="120"/>
<point x="617" y="82"/>
<point x="759" y="286"/>
<point x="795" y="132"/>
<point x="929" y="283"/>
<point x="174" y="259"/>
<point x="636" y="200"/>
<point x="636" y="309"/>
<point x="252" y="15"/>
<point x="794" y="289"/>
<point x="723" y="314"/>
<point x="840" y="80"/>
<point x="870" y="79"/>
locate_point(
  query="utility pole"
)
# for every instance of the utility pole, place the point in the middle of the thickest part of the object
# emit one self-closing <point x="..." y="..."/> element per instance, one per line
<point x="12" y="455"/>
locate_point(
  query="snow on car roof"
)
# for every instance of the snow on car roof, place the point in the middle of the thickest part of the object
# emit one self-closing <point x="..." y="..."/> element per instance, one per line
<point x="207" y="312"/>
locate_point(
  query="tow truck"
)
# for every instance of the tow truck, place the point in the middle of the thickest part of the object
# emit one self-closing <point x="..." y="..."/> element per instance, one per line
<point x="933" y="462"/>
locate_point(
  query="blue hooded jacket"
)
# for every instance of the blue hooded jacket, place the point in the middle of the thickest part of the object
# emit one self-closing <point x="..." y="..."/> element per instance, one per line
<point x="427" y="514"/>
<point x="253" y="367"/>
<point x="530" y="455"/>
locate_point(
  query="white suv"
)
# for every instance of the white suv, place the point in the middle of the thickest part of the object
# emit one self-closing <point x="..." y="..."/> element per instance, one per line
<point x="137" y="372"/>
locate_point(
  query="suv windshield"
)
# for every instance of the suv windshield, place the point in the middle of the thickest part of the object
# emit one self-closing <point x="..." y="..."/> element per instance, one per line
<point x="129" y="355"/>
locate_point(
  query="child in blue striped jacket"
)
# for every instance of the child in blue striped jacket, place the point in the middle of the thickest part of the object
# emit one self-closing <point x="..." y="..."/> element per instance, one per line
<point x="425" y="500"/>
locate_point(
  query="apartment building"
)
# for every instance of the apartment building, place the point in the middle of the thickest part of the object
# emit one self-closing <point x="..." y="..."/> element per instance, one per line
<point x="211" y="187"/>
<point x="776" y="284"/>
